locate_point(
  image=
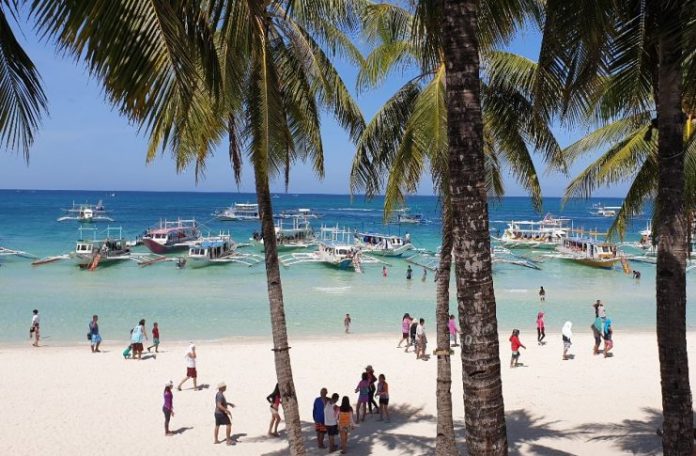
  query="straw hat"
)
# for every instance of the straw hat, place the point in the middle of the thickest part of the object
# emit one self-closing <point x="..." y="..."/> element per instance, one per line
<point x="221" y="385"/>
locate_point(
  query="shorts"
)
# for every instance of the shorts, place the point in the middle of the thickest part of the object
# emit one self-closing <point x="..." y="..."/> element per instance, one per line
<point x="191" y="372"/>
<point x="384" y="400"/>
<point x="566" y="345"/>
<point x="96" y="338"/>
<point x="319" y="427"/>
<point x="137" y="347"/>
<point x="274" y="411"/>
<point x="155" y="341"/>
<point x="332" y="430"/>
<point x="345" y="429"/>
<point x="404" y="335"/>
<point x="222" y="419"/>
<point x="363" y="400"/>
<point x="515" y="355"/>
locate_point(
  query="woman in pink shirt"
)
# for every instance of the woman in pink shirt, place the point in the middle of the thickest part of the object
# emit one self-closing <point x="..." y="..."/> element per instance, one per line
<point x="541" y="330"/>
<point x="453" y="331"/>
<point x="405" y="325"/>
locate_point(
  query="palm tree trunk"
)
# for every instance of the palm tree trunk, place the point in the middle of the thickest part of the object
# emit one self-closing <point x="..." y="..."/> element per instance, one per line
<point x="671" y="240"/>
<point x="445" y="444"/>
<point x="281" y="350"/>
<point x="483" y="395"/>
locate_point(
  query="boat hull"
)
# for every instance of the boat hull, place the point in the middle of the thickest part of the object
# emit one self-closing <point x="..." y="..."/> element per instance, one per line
<point x="391" y="253"/>
<point x="528" y="245"/>
<point x="595" y="263"/>
<point x="162" y="249"/>
<point x="85" y="261"/>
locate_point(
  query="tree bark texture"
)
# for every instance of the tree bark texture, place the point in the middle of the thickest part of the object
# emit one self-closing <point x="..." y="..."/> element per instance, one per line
<point x="672" y="240"/>
<point x="483" y="395"/>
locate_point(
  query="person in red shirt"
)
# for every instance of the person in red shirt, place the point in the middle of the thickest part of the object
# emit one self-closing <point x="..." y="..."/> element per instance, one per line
<point x="515" y="344"/>
<point x="155" y="338"/>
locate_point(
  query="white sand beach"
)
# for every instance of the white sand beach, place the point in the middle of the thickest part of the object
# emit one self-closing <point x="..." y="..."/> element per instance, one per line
<point x="64" y="400"/>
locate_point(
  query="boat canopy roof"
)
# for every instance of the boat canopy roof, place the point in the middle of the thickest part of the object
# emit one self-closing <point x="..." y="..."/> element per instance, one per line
<point x="381" y="236"/>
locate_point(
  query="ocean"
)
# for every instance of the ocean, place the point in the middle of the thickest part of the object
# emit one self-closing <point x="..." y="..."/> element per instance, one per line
<point x="230" y="301"/>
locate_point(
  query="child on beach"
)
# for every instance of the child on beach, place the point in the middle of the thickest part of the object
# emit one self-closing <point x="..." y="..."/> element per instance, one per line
<point x="363" y="390"/>
<point x="405" y="325"/>
<point x="127" y="352"/>
<point x="345" y="422"/>
<point x="515" y="345"/>
<point x="542" y="294"/>
<point x="274" y="400"/>
<point x="567" y="336"/>
<point x="155" y="338"/>
<point x="94" y="337"/>
<point x="608" y="342"/>
<point x="346" y="323"/>
<point x="383" y="394"/>
<point x="453" y="331"/>
<point x="541" y="330"/>
<point x="168" y="407"/>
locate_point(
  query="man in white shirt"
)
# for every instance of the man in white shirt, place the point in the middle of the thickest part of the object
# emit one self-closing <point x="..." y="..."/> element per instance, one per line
<point x="191" y="372"/>
<point x="421" y="340"/>
<point x="330" y="421"/>
<point x="35" y="328"/>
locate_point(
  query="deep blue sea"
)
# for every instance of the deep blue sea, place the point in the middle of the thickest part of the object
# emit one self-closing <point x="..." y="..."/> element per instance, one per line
<point x="230" y="301"/>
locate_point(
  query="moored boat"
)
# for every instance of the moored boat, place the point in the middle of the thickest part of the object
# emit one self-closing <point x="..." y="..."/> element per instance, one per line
<point x="289" y="236"/>
<point x="211" y="250"/>
<point x="86" y="213"/>
<point x="605" y="211"/>
<point x="589" y="252"/>
<point x="238" y="212"/>
<point x="94" y="252"/>
<point x="544" y="234"/>
<point x="171" y="236"/>
<point x="384" y="244"/>
<point x="302" y="212"/>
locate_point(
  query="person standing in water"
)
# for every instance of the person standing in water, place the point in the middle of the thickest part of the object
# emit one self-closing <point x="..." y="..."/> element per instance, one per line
<point x="541" y="330"/>
<point x="409" y="272"/>
<point x="94" y="337"/>
<point x="384" y="271"/>
<point x="346" y="323"/>
<point x="425" y="275"/>
<point x="34" y="328"/>
<point x="542" y="294"/>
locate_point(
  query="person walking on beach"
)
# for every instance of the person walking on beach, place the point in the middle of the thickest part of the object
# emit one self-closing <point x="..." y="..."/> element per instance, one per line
<point x="453" y="331"/>
<point x="346" y="323"/>
<point x="596" y="326"/>
<point x="138" y="336"/>
<point x="371" y="396"/>
<point x="94" y="337"/>
<point x="541" y="329"/>
<point x="155" y="338"/>
<point x="168" y="407"/>
<point x="346" y="421"/>
<point x="191" y="372"/>
<point x="515" y="344"/>
<point x="608" y="334"/>
<point x="318" y="415"/>
<point x="567" y="333"/>
<point x="412" y="332"/>
<point x="421" y="340"/>
<point x="383" y="394"/>
<point x="363" y="390"/>
<point x="274" y="400"/>
<point x="34" y="328"/>
<point x="223" y="417"/>
<point x="409" y="272"/>
<point x="542" y="294"/>
<point x="405" y="325"/>
<point x="331" y="421"/>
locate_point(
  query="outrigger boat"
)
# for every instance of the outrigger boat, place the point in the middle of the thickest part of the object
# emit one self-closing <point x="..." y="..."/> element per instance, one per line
<point x="91" y="253"/>
<point x="545" y="234"/>
<point x="299" y="235"/>
<point x="405" y="217"/>
<point x="336" y="249"/>
<point x="171" y="236"/>
<point x="498" y="256"/>
<point x="217" y="250"/>
<point x="605" y="211"/>
<point x="6" y="253"/>
<point x="86" y="213"/>
<point x="238" y="212"/>
<point x="384" y="244"/>
<point x="589" y="252"/>
<point x="301" y="212"/>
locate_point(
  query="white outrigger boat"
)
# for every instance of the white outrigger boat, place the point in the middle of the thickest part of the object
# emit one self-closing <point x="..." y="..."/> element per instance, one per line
<point x="590" y="252"/>
<point x="384" y="244"/>
<point x="298" y="235"/>
<point x="404" y="216"/>
<point x="86" y="213"/>
<point x="336" y="249"/>
<point x="605" y="211"/>
<point x="92" y="253"/>
<point x="217" y="250"/>
<point x="8" y="253"/>
<point x="239" y="212"/>
<point x="544" y="234"/>
<point x="301" y="212"/>
<point x="498" y="256"/>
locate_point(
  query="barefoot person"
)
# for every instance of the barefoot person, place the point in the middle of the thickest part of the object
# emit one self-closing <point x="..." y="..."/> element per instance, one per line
<point x="274" y="400"/>
<point x="421" y="340"/>
<point x="608" y="337"/>
<point x="34" y="328"/>
<point x="331" y="421"/>
<point x="383" y="394"/>
<point x="405" y="325"/>
<point x="94" y="337"/>
<point x="346" y="421"/>
<point x="138" y="337"/>
<point x="318" y="415"/>
<point x="223" y="417"/>
<point x="191" y="371"/>
<point x="567" y="336"/>
<point x="168" y="407"/>
<point x="363" y="390"/>
<point x="541" y="329"/>
<point x="346" y="323"/>
<point x="155" y="338"/>
<point x="453" y="331"/>
<point x="515" y="345"/>
<point x="542" y="294"/>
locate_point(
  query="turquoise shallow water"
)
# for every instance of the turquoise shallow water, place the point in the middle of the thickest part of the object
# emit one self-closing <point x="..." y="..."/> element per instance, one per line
<point x="228" y="301"/>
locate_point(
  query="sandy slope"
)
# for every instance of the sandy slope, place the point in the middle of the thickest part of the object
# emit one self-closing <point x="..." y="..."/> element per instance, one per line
<point x="67" y="401"/>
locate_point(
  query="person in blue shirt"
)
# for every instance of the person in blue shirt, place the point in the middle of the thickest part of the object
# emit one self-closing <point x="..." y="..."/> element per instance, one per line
<point x="318" y="414"/>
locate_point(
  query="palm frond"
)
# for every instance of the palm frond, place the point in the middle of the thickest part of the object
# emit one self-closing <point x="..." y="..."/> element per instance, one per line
<point x="642" y="188"/>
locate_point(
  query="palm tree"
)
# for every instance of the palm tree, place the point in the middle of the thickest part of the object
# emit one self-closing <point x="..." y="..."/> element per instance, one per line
<point x="273" y="74"/>
<point x="644" y="49"/>
<point x="409" y="134"/>
<point x="22" y="99"/>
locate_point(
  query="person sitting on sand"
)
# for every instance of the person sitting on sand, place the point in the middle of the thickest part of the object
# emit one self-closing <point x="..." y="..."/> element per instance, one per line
<point x="363" y="390"/>
<point x="383" y="394"/>
<point x="567" y="336"/>
<point x="155" y="338"/>
<point x="453" y="331"/>
<point x="515" y="344"/>
<point x="405" y="325"/>
<point x="318" y="415"/>
<point x="138" y="336"/>
<point x="541" y="330"/>
<point x="331" y="421"/>
<point x="191" y="371"/>
<point x="346" y="421"/>
<point x="94" y="337"/>
<point x="274" y="400"/>
<point x="608" y="333"/>
<point x="222" y="414"/>
<point x="168" y="407"/>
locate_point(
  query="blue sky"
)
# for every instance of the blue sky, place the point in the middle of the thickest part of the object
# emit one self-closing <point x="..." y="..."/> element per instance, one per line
<point x="85" y="144"/>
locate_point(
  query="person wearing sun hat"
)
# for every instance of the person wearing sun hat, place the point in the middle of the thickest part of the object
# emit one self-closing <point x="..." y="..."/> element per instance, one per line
<point x="222" y="415"/>
<point x="191" y="371"/>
